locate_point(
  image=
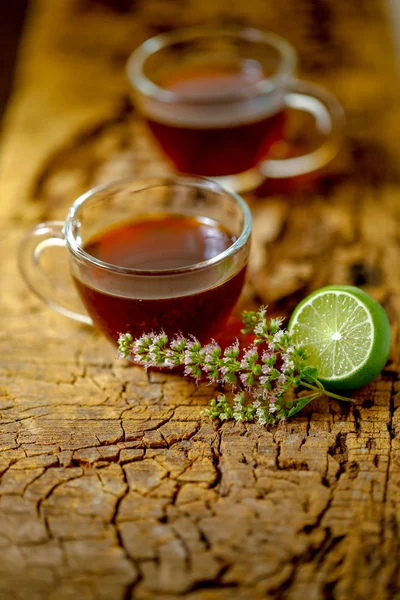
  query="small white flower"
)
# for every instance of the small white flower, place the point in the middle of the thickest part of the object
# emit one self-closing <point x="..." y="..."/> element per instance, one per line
<point x="266" y="369"/>
<point x="251" y="352"/>
<point x="282" y="379"/>
<point x="209" y="348"/>
<point x="192" y="342"/>
<point x="188" y="358"/>
<point x="277" y="321"/>
<point x="259" y="329"/>
<point x="249" y="356"/>
<point x="153" y="356"/>
<point x="267" y="354"/>
<point x="124" y="338"/>
<point x="278" y="336"/>
<point x="139" y="345"/>
<point x="238" y="403"/>
<point x="289" y="366"/>
<point x="177" y="341"/>
<point x="272" y="408"/>
<point x="260" y="413"/>
<point x="232" y="348"/>
<point x="244" y="378"/>
<point x="169" y="363"/>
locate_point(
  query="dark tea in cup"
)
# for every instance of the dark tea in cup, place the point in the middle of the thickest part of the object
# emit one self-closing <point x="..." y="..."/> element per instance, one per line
<point x="223" y="142"/>
<point x="147" y="255"/>
<point x="157" y="243"/>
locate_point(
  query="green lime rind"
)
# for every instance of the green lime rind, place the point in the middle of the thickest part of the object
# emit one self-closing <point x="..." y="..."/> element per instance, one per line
<point x="370" y="347"/>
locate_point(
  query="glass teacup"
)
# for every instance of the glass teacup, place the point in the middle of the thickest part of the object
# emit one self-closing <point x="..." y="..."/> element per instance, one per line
<point x="215" y="100"/>
<point x="147" y="254"/>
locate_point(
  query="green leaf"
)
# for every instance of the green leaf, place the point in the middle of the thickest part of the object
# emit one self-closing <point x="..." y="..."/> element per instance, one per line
<point x="301" y="404"/>
<point x="230" y="378"/>
<point x="310" y="374"/>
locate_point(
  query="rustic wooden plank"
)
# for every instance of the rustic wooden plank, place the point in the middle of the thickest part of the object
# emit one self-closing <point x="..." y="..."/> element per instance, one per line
<point x="112" y="484"/>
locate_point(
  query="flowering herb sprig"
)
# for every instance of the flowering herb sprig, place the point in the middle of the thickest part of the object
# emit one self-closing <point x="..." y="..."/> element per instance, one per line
<point x="265" y="377"/>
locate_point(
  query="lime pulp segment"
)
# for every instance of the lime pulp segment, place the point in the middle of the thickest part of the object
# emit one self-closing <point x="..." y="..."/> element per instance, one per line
<point x="337" y="333"/>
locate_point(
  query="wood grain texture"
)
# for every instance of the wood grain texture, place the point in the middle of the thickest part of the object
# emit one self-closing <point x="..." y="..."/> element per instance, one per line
<point x="112" y="485"/>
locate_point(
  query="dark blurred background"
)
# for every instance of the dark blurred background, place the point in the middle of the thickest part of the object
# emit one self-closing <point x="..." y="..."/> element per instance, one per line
<point x="328" y="52"/>
<point x="12" y="16"/>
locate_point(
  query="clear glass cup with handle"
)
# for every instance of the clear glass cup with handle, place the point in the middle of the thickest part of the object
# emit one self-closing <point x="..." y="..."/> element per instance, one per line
<point x="215" y="100"/>
<point x="187" y="279"/>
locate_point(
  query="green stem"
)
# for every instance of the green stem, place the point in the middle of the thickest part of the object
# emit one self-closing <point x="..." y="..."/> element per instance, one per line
<point x="310" y="397"/>
<point x="320" y="388"/>
<point x="302" y="402"/>
<point x="319" y="384"/>
<point x="338" y="397"/>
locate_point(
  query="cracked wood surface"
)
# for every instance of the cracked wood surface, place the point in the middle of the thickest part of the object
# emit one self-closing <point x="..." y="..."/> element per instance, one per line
<point x="112" y="485"/>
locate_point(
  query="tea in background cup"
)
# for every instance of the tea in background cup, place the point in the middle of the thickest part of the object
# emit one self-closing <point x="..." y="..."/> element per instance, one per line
<point x="147" y="254"/>
<point x="215" y="100"/>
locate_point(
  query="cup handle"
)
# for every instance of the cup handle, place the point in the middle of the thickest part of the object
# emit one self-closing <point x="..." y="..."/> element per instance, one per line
<point x="329" y="118"/>
<point x="43" y="236"/>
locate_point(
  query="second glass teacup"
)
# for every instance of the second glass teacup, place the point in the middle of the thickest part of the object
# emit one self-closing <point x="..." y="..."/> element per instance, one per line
<point x="146" y="255"/>
<point x="215" y="100"/>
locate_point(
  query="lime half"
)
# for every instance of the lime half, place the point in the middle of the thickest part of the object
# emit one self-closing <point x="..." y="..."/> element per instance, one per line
<point x="345" y="333"/>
